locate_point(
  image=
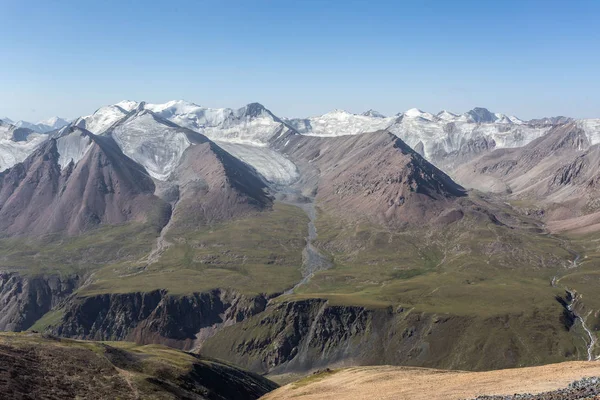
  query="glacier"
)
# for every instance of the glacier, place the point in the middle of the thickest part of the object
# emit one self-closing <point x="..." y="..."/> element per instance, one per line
<point x="444" y="132"/>
<point x="72" y="146"/>
<point x="154" y="134"/>
<point x="273" y="166"/>
<point x="102" y="119"/>
<point x="339" y="123"/>
<point x="156" y="146"/>
<point x="13" y="150"/>
<point x="251" y="124"/>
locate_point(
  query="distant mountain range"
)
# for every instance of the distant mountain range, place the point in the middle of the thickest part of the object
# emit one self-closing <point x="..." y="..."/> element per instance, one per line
<point x="44" y="126"/>
<point x="286" y="245"/>
<point x="434" y="136"/>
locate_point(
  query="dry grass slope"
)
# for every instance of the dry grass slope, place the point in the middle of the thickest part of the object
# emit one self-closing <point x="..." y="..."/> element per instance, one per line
<point x="401" y="383"/>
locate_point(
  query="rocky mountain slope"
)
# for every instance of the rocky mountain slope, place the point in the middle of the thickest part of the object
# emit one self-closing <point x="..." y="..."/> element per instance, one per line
<point x="555" y="174"/>
<point x="39" y="366"/>
<point x="98" y="185"/>
<point x="375" y="175"/>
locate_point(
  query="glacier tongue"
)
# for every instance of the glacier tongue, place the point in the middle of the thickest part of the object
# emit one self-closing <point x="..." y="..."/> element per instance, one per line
<point x="273" y="166"/>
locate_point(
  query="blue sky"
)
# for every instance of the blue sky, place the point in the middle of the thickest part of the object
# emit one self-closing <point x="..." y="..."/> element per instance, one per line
<point x="301" y="58"/>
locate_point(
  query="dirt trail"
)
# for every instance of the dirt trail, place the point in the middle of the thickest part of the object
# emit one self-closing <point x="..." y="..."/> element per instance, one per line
<point x="387" y="383"/>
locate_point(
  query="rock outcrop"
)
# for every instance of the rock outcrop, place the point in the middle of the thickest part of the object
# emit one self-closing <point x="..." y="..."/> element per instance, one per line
<point x="24" y="300"/>
<point x="156" y="317"/>
<point x="305" y="335"/>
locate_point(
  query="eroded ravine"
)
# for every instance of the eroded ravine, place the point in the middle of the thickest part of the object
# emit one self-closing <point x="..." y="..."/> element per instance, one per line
<point x="591" y="342"/>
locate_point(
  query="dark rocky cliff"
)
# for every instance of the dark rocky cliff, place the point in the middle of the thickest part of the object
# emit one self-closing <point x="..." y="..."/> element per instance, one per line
<point x="24" y="300"/>
<point x="310" y="334"/>
<point x="291" y="336"/>
<point x="156" y="317"/>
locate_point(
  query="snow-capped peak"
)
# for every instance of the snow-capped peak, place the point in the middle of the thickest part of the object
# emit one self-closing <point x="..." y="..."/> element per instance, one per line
<point x="54" y="123"/>
<point x="173" y="107"/>
<point x="339" y="123"/>
<point x="446" y="115"/>
<point x="482" y="115"/>
<point x="102" y="119"/>
<point x="416" y="113"/>
<point x="251" y="124"/>
<point x="127" y="105"/>
<point x="7" y="120"/>
<point x="515" y="120"/>
<point x="337" y="112"/>
<point x="372" y="113"/>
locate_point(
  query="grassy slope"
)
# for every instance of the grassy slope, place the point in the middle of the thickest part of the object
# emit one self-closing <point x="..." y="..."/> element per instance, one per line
<point x="439" y="271"/>
<point x="473" y="268"/>
<point x="258" y="254"/>
<point x="494" y="278"/>
<point x="77" y="369"/>
<point x="390" y="383"/>
<point x="54" y="254"/>
<point x="261" y="253"/>
<point x="584" y="279"/>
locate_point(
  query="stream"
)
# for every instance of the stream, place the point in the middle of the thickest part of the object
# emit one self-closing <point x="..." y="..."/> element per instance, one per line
<point x="312" y="259"/>
<point x="591" y="336"/>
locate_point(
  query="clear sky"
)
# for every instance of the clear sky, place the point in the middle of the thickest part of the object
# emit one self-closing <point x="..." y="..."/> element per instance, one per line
<point x="301" y="58"/>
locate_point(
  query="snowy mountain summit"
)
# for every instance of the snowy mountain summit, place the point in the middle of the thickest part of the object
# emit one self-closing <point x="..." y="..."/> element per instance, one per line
<point x="156" y="135"/>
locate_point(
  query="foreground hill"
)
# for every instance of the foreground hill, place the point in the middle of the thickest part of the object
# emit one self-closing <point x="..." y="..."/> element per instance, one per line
<point x="45" y="367"/>
<point x="401" y="383"/>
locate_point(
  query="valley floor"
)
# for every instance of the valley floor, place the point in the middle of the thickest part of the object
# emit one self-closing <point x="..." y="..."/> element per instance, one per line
<point x="397" y="383"/>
